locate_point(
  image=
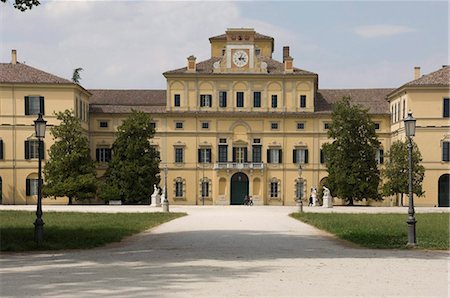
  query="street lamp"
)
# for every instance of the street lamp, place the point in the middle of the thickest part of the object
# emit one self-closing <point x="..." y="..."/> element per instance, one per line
<point x="299" y="189"/>
<point x="39" y="127"/>
<point x="165" y="203"/>
<point x="410" y="131"/>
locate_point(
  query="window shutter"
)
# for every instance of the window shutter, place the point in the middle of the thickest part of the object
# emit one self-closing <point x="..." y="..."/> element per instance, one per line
<point x="280" y="156"/>
<point x="199" y="155"/>
<point x="322" y="159"/>
<point x="445" y="151"/>
<point x="306" y="155"/>
<point x="446" y="107"/>
<point x="234" y="154"/>
<point x="245" y="155"/>
<point x="27" y="149"/>
<point x="41" y="149"/>
<point x="210" y="100"/>
<point x="41" y="106"/>
<point x="208" y="155"/>
<point x="268" y="156"/>
<point x="294" y="156"/>
<point x="381" y="156"/>
<point x="1" y="149"/>
<point x="27" y="105"/>
<point x="97" y="154"/>
<point x="28" y="187"/>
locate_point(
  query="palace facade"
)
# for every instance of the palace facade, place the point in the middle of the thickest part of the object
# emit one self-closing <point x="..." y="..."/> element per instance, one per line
<point x="237" y="124"/>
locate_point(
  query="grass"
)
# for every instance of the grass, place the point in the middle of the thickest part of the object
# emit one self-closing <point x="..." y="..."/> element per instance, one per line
<point x="383" y="230"/>
<point x="71" y="230"/>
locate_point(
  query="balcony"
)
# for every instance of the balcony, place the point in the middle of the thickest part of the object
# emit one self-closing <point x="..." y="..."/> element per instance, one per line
<point x="239" y="166"/>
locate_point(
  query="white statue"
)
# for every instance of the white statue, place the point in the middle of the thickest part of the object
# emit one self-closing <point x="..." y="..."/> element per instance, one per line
<point x="314" y="196"/>
<point x="156" y="198"/>
<point x="327" y="198"/>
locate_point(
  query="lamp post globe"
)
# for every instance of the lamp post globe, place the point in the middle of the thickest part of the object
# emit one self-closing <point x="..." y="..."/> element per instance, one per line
<point x="410" y="131"/>
<point x="39" y="126"/>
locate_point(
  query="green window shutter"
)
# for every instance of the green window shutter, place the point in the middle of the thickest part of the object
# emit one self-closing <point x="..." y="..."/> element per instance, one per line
<point x="42" y="149"/>
<point x="1" y="149"/>
<point x="199" y="155"/>
<point x="280" y="156"/>
<point x="28" y="187"/>
<point x="27" y="149"/>
<point x="268" y="156"/>
<point x="294" y="156"/>
<point x="41" y="105"/>
<point x="27" y="105"/>
<point x="245" y="155"/>
<point x="322" y="159"/>
<point x="306" y="155"/>
<point x="381" y="156"/>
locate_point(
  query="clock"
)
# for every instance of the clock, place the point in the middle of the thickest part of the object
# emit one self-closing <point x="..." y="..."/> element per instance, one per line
<point x="240" y="58"/>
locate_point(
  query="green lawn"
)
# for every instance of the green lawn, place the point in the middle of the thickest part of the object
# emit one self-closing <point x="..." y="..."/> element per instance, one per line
<point x="70" y="230"/>
<point x="383" y="230"/>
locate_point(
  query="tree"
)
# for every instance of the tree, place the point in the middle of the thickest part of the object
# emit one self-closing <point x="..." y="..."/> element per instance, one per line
<point x="70" y="171"/>
<point x="134" y="165"/>
<point x="396" y="170"/>
<point x="76" y="75"/>
<point x="352" y="167"/>
<point x="23" y="5"/>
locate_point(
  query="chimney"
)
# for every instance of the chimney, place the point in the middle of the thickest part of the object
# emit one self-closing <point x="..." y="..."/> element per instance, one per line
<point x="416" y="72"/>
<point x="191" y="63"/>
<point x="13" y="57"/>
<point x="285" y="52"/>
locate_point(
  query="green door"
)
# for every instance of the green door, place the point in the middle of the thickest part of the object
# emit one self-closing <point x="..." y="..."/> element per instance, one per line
<point x="239" y="188"/>
<point x="444" y="191"/>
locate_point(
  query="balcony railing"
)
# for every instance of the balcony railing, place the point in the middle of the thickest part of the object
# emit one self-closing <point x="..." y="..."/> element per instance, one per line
<point x="239" y="165"/>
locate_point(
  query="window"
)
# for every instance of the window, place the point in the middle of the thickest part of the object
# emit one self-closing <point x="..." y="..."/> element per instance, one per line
<point x="274" y="101"/>
<point x="303" y="101"/>
<point x="32" y="149"/>
<point x="222" y="99"/>
<point x="34" y="105"/>
<point x="379" y="156"/>
<point x="274" y="156"/>
<point x="300" y="125"/>
<point x="179" y="125"/>
<point x="377" y="126"/>
<point x="32" y="187"/>
<point x="240" y="99"/>
<point x="274" y="125"/>
<point x="205" y="100"/>
<point x="222" y="141"/>
<point x="398" y="111"/>
<point x="446" y="151"/>
<point x="223" y="153"/>
<point x="300" y="156"/>
<point x="153" y="125"/>
<point x="205" y="188"/>
<point x="179" y="188"/>
<point x="103" y="154"/>
<point x="257" y="99"/>
<point x="179" y="155"/>
<point x="1" y="152"/>
<point x="404" y="109"/>
<point x="240" y="154"/>
<point x="103" y="124"/>
<point x="257" y="52"/>
<point x="322" y="157"/>
<point x="205" y="125"/>
<point x="176" y="100"/>
<point x="257" y="153"/>
<point x="326" y="126"/>
<point x="299" y="188"/>
<point x="204" y="155"/>
<point x="446" y="108"/>
<point x="274" y="189"/>
<point x="256" y="141"/>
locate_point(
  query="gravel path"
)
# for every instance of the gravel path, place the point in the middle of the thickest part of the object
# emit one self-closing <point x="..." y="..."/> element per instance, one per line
<point x="228" y="252"/>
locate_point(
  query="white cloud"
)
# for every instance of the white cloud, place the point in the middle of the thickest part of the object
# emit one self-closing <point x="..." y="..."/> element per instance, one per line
<point x="373" y="31"/>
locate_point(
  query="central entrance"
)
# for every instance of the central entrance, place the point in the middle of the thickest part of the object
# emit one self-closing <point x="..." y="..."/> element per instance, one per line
<point x="239" y="188"/>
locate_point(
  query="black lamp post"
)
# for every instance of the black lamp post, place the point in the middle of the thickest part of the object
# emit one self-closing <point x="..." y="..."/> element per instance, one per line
<point x="410" y="131"/>
<point x="39" y="127"/>
<point x="299" y="188"/>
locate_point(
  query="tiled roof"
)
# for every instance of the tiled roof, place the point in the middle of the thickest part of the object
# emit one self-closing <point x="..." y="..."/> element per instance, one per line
<point x="440" y="77"/>
<point x="128" y="97"/>
<point x="273" y="68"/>
<point x="125" y="109"/>
<point x="22" y="73"/>
<point x="257" y="36"/>
<point x="373" y="99"/>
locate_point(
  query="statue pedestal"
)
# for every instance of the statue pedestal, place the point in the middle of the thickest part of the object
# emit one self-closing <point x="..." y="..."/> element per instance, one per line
<point x="156" y="200"/>
<point x="327" y="202"/>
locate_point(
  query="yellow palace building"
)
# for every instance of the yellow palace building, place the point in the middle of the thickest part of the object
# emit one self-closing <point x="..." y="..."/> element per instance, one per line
<point x="237" y="124"/>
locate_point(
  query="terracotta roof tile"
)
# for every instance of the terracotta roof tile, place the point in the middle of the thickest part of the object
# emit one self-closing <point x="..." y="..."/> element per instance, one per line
<point x="257" y="36"/>
<point x="440" y="77"/>
<point x="128" y="97"/>
<point x="22" y="73"/>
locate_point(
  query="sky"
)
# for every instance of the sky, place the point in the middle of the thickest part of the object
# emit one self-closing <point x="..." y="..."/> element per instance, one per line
<point x="129" y="44"/>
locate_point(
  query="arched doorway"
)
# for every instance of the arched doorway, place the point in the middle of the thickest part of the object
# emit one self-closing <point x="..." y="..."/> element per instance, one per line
<point x="239" y="188"/>
<point x="443" y="191"/>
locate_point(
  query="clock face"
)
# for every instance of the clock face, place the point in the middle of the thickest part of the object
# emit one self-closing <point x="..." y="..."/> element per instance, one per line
<point x="240" y="58"/>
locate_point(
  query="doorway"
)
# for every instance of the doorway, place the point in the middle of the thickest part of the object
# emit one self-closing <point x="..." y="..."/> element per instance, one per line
<point x="239" y="188"/>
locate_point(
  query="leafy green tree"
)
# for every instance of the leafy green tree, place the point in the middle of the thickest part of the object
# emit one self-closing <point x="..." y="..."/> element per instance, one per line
<point x="23" y="5"/>
<point x="134" y="165"/>
<point x="76" y="75"/>
<point x="70" y="171"/>
<point x="396" y="171"/>
<point x="351" y="157"/>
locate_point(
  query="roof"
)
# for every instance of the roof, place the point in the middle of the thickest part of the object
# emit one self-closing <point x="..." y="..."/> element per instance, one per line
<point x="372" y="99"/>
<point x="22" y="73"/>
<point x="258" y="36"/>
<point x="437" y="78"/>
<point x="274" y="67"/>
<point x="128" y="97"/>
